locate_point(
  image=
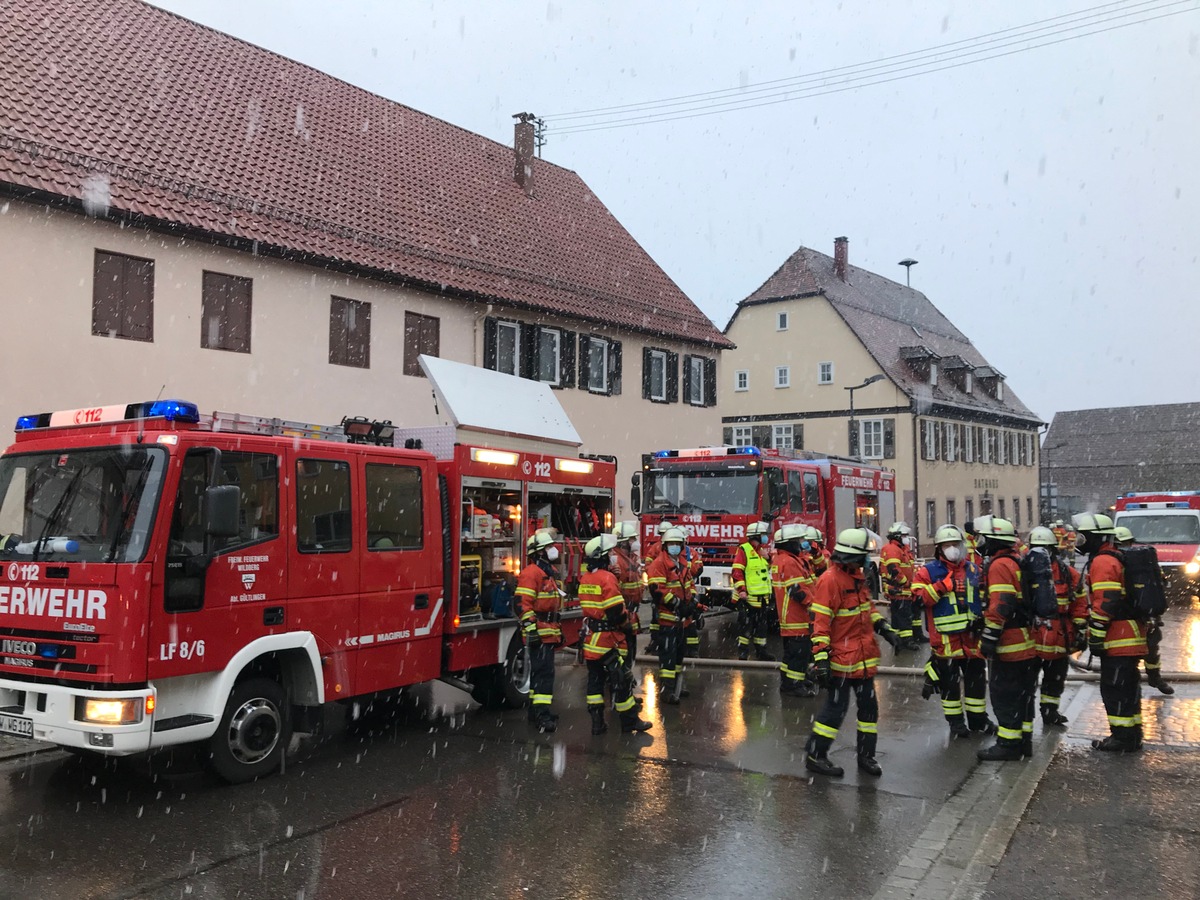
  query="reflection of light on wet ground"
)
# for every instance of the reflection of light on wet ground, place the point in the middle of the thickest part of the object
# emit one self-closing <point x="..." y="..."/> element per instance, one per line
<point x="1191" y="646"/>
<point x="734" y="731"/>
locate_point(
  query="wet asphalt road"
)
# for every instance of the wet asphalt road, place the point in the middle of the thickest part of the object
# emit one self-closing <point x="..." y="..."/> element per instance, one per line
<point x="713" y="802"/>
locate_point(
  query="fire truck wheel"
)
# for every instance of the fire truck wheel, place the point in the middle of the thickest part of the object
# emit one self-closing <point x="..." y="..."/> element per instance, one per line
<point x="516" y="674"/>
<point x="487" y="686"/>
<point x="254" y="732"/>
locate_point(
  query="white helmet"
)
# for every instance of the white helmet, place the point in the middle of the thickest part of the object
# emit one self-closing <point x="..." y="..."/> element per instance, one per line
<point x="757" y="528"/>
<point x="663" y="527"/>
<point x="899" y="529"/>
<point x="674" y="536"/>
<point x="814" y="534"/>
<point x="599" y="546"/>
<point x="948" y="534"/>
<point x="996" y="528"/>
<point x="626" y="530"/>
<point x="853" y="541"/>
<point x="795" y="532"/>
<point x="541" y="539"/>
<point x="1097" y="522"/>
<point x="1041" y="536"/>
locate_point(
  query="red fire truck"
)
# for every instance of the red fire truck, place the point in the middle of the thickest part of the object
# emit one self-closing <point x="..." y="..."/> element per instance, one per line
<point x="170" y="578"/>
<point x="715" y="492"/>
<point x="1170" y="520"/>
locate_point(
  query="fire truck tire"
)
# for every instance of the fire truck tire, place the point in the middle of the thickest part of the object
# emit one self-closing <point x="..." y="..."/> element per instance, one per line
<point x="254" y="732"/>
<point x="516" y="674"/>
<point x="487" y="686"/>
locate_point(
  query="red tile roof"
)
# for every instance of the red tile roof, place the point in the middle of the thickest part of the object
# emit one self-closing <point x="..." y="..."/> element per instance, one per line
<point x="889" y="319"/>
<point x="194" y="128"/>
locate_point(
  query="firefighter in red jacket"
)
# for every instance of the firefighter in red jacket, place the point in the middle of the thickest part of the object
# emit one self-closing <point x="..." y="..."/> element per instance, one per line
<point x="538" y="592"/>
<point x="896" y="571"/>
<point x="818" y="555"/>
<point x="607" y="616"/>
<point x="650" y="552"/>
<point x="1054" y="639"/>
<point x="948" y="588"/>
<point x="793" y="582"/>
<point x="668" y="583"/>
<point x="846" y="653"/>
<point x="1116" y="633"/>
<point x="752" y="587"/>
<point x="1007" y="640"/>
<point x="1123" y="537"/>
<point x="628" y="570"/>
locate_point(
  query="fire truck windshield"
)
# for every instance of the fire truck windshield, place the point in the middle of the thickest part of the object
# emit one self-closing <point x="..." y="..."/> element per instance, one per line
<point x="89" y="505"/>
<point x="1165" y="529"/>
<point x="702" y="491"/>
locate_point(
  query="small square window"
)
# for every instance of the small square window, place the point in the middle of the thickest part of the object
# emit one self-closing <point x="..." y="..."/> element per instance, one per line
<point x="783" y="376"/>
<point x="781" y="437"/>
<point x="825" y="373"/>
<point x="781" y="322"/>
<point x="743" y="436"/>
<point x="741" y="380"/>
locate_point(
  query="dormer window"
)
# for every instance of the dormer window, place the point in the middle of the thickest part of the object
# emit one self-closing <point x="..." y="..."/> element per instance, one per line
<point x="933" y="374"/>
<point x="991" y="381"/>
<point x="967" y="382"/>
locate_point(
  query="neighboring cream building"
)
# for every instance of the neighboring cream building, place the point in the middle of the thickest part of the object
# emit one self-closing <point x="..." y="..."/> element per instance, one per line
<point x="961" y="444"/>
<point x="231" y="227"/>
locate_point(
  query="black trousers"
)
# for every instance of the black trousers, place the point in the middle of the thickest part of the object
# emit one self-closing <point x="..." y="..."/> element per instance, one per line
<point x="797" y="654"/>
<point x="1154" y="636"/>
<point x="608" y="670"/>
<point x="1054" y="679"/>
<point x="1122" y="694"/>
<point x="1013" y="685"/>
<point x="837" y="703"/>
<point x="670" y="653"/>
<point x="963" y="684"/>
<point x="541" y="675"/>
<point x="903" y="613"/>
<point x="753" y="627"/>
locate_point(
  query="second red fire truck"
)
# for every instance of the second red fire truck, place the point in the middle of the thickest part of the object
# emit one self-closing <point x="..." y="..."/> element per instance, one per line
<point x="715" y="492"/>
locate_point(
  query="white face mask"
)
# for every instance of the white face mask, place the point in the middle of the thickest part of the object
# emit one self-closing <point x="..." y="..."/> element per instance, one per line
<point x="552" y="554"/>
<point x="613" y="559"/>
<point x="953" y="553"/>
<point x="674" y="549"/>
<point x="636" y="548"/>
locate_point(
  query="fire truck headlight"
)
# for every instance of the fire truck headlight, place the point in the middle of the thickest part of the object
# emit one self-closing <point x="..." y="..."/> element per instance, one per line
<point x="125" y="711"/>
<point x="1193" y="568"/>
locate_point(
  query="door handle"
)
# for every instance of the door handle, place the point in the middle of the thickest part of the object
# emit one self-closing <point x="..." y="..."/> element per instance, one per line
<point x="421" y="601"/>
<point x="273" y="615"/>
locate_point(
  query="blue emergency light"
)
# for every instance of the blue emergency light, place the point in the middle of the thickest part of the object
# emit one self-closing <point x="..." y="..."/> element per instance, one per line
<point x="171" y="410"/>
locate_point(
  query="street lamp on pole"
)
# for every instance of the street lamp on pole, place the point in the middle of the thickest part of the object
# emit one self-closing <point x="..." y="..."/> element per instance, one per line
<point x="853" y="424"/>
<point x="908" y="262"/>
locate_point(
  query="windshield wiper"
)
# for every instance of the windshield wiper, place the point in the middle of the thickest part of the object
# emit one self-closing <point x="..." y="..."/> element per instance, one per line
<point x="52" y="519"/>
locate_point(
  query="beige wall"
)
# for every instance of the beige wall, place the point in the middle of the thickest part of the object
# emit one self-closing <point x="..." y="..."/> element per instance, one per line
<point x="52" y="360"/>
<point x="817" y="334"/>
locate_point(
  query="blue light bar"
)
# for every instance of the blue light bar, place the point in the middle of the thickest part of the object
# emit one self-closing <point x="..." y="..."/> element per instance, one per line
<point x="747" y="451"/>
<point x="24" y="423"/>
<point x="661" y="454"/>
<point x="171" y="410"/>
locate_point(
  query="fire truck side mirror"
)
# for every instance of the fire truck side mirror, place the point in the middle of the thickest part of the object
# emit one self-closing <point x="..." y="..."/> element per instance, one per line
<point x="635" y="494"/>
<point x="222" y="503"/>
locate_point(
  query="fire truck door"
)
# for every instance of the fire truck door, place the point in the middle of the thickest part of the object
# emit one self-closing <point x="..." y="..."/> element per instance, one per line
<point x="401" y="598"/>
<point x="209" y="611"/>
<point x="323" y="563"/>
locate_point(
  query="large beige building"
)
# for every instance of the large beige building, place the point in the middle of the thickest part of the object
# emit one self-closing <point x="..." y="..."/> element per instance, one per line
<point x="960" y="442"/>
<point x="224" y="225"/>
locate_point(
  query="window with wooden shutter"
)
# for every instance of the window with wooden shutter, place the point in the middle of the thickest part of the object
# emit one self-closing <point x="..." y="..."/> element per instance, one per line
<point x="349" y="333"/>
<point x="614" y="368"/>
<point x="710" y="382"/>
<point x="422" y="335"/>
<point x="889" y="438"/>
<point x="672" y="377"/>
<point x="566" y="377"/>
<point x="798" y="435"/>
<point x="225" y="312"/>
<point x="123" y="296"/>
<point x="654" y="374"/>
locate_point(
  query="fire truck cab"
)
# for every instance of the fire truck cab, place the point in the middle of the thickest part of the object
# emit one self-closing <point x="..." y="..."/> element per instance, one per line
<point x="171" y="578"/>
<point x="715" y="492"/>
<point x="1170" y="521"/>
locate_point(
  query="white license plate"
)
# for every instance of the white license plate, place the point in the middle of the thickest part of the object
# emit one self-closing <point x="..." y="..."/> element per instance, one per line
<point x="16" y="725"/>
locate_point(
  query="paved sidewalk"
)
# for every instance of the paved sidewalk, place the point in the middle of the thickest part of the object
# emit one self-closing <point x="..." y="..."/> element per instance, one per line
<point x="1103" y="825"/>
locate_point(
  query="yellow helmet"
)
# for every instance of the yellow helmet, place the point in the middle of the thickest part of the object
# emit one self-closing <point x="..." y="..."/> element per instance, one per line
<point x="996" y="528"/>
<point x="949" y="534"/>
<point x="1122" y="535"/>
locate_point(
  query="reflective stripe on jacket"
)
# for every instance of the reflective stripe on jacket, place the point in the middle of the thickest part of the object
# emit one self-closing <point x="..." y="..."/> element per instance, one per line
<point x="1006" y="607"/>
<point x="540" y="602"/>
<point x="601" y="601"/>
<point x="751" y="572"/>
<point x="790" y="575"/>
<point x="896" y="570"/>
<point x="844" y="623"/>
<point x="1053" y="637"/>
<point x="950" y="615"/>
<point x="1112" y="615"/>
<point x="668" y="585"/>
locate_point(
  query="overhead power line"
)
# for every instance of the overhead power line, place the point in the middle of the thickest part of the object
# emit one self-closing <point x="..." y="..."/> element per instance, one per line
<point x="993" y="45"/>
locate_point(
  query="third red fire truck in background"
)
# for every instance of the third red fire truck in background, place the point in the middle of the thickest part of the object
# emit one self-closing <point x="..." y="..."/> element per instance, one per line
<point x="1170" y="521"/>
<point x="715" y="492"/>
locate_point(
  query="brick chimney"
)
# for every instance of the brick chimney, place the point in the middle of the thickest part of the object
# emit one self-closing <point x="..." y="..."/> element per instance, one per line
<point x="523" y="144"/>
<point x="841" y="250"/>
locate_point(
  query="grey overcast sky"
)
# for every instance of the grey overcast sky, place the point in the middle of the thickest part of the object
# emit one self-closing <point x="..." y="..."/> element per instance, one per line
<point x="1051" y="197"/>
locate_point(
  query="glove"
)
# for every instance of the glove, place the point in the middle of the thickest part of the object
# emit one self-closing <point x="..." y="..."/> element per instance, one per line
<point x="946" y="585"/>
<point x="9" y="542"/>
<point x="989" y="641"/>
<point x="930" y="686"/>
<point x="1095" y="641"/>
<point x="821" y="665"/>
<point x="886" y="631"/>
<point x="976" y="626"/>
<point x="1080" y="641"/>
<point x="531" y="631"/>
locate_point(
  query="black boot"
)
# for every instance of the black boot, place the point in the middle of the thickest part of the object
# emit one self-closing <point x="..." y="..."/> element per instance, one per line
<point x="869" y="765"/>
<point x="808" y="689"/>
<point x="1001" y="751"/>
<point x="599" y="726"/>
<point x="1027" y="746"/>
<point x="822" y="766"/>
<point x="959" y="729"/>
<point x="986" y="727"/>
<point x="1114" y="744"/>
<point x="1155" y="680"/>
<point x="630" y="722"/>
<point x="866" y="754"/>
<point x="761" y="653"/>
<point x="1051" y="717"/>
<point x="743" y="652"/>
<point x="544" y="721"/>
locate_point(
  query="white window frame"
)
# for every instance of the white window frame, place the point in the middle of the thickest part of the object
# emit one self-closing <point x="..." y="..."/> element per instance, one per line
<point x="696" y="385"/>
<point x="870" y="438"/>
<point x="515" y="327"/>
<point x="602" y="387"/>
<point x="933" y="374"/>
<point x="661" y="394"/>
<point x="781" y="321"/>
<point x="783" y="377"/>
<point x="950" y="441"/>
<point x="823" y="369"/>
<point x="1002" y="450"/>
<point x="782" y="437"/>
<point x="741" y="380"/>
<point x="557" y="355"/>
<point x="968" y="447"/>
<point x="967" y="383"/>
<point x="743" y="436"/>
<point x="930" y="439"/>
